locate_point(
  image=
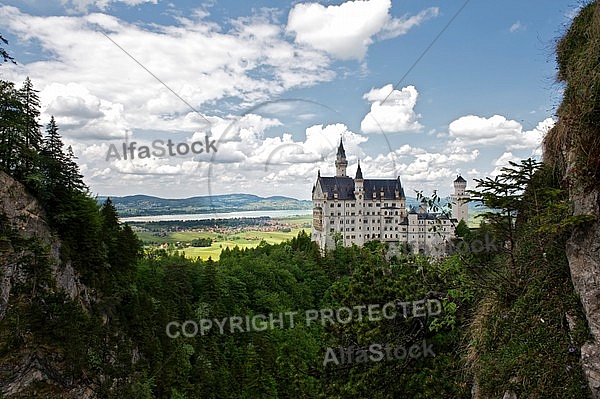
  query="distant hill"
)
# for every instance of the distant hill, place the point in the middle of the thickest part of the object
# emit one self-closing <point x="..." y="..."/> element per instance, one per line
<point x="145" y="205"/>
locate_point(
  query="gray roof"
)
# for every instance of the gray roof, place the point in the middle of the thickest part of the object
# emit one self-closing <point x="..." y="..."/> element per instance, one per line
<point x="341" y="153"/>
<point x="459" y="179"/>
<point x="344" y="187"/>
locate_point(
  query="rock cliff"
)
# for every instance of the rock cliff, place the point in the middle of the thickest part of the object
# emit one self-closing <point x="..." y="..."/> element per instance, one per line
<point x="26" y="242"/>
<point x="573" y="147"/>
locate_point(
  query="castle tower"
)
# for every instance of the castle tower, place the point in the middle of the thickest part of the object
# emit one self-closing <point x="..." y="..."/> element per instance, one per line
<point x="340" y="161"/>
<point x="460" y="208"/>
<point x="359" y="186"/>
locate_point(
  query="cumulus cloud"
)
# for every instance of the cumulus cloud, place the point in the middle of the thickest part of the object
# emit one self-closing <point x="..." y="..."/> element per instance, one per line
<point x="395" y="114"/>
<point x="503" y="162"/>
<point x="498" y="130"/>
<point x="203" y="65"/>
<point x="346" y="31"/>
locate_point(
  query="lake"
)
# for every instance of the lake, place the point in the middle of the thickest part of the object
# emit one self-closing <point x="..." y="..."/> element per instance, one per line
<point x="219" y="215"/>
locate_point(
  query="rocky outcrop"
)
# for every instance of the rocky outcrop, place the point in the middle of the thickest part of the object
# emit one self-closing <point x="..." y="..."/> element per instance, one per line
<point x="583" y="253"/>
<point x="22" y="215"/>
<point x="25" y="216"/>
<point x="573" y="147"/>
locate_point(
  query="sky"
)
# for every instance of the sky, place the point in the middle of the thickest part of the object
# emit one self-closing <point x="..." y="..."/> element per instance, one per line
<point x="254" y="96"/>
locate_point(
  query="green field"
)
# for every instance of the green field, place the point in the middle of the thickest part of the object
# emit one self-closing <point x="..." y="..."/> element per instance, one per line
<point x="246" y="239"/>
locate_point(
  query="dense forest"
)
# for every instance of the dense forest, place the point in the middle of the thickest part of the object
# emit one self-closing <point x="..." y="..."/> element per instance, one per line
<point x="509" y="319"/>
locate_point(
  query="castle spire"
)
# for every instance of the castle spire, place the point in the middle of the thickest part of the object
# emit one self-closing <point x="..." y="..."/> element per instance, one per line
<point x="340" y="161"/>
<point x="341" y="153"/>
<point x="359" y="175"/>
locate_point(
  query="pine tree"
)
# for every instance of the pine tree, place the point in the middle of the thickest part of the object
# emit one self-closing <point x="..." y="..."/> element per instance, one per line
<point x="53" y="145"/>
<point x="4" y="54"/>
<point x="52" y="162"/>
<point x="73" y="177"/>
<point x="30" y="127"/>
<point x="10" y="137"/>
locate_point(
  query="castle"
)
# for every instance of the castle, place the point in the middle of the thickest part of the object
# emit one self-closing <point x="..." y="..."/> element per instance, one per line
<point x="359" y="210"/>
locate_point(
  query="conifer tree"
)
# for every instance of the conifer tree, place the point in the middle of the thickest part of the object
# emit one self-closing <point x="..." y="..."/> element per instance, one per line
<point x="73" y="177"/>
<point x="10" y="137"/>
<point x="4" y="54"/>
<point x="30" y="127"/>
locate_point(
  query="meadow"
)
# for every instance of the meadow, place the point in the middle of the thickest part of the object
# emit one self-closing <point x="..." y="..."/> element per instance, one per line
<point x="247" y="238"/>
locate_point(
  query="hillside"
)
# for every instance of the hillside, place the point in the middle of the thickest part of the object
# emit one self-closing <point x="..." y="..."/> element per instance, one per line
<point x="144" y="205"/>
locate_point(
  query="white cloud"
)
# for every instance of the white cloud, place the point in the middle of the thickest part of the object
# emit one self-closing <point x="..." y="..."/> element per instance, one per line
<point x="83" y="5"/>
<point x="480" y="130"/>
<point x="249" y="63"/>
<point x="473" y="130"/>
<point x="347" y="30"/>
<point x="400" y="26"/>
<point x="516" y="27"/>
<point x="503" y="162"/>
<point x="395" y="114"/>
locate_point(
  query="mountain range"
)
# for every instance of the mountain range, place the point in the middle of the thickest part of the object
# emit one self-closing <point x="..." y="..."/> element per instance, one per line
<point x="146" y="205"/>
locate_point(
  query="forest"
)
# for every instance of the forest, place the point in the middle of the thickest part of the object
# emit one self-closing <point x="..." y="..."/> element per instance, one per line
<point x="501" y="327"/>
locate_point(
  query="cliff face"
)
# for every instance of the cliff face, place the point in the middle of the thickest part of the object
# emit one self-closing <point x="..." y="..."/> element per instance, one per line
<point x="573" y="147"/>
<point x="30" y="262"/>
<point x="583" y="253"/>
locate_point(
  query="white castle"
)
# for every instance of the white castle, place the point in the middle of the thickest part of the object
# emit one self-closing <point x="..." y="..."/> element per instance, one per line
<point x="359" y="210"/>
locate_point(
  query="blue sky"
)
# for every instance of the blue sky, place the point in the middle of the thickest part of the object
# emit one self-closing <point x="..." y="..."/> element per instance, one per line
<point x="276" y="84"/>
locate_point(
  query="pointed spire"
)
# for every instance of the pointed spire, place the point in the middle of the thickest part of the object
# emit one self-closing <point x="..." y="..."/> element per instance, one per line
<point x="341" y="153"/>
<point x="359" y="175"/>
<point x="340" y="161"/>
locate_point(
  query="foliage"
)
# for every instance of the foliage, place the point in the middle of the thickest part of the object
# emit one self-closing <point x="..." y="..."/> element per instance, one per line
<point x="576" y="135"/>
<point x="201" y="242"/>
<point x="3" y="53"/>
<point x="520" y="338"/>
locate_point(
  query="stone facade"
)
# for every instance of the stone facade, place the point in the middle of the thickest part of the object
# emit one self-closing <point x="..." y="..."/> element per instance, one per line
<point x="359" y="210"/>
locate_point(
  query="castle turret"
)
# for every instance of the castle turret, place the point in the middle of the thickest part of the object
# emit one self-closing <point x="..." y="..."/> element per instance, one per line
<point x="340" y="161"/>
<point x="460" y="208"/>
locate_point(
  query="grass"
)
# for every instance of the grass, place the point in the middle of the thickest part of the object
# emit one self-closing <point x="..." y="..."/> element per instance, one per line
<point x="246" y="239"/>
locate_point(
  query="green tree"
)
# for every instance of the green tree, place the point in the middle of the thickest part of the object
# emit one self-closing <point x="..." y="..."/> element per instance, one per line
<point x="31" y="129"/>
<point x="3" y="53"/>
<point x="11" y="140"/>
